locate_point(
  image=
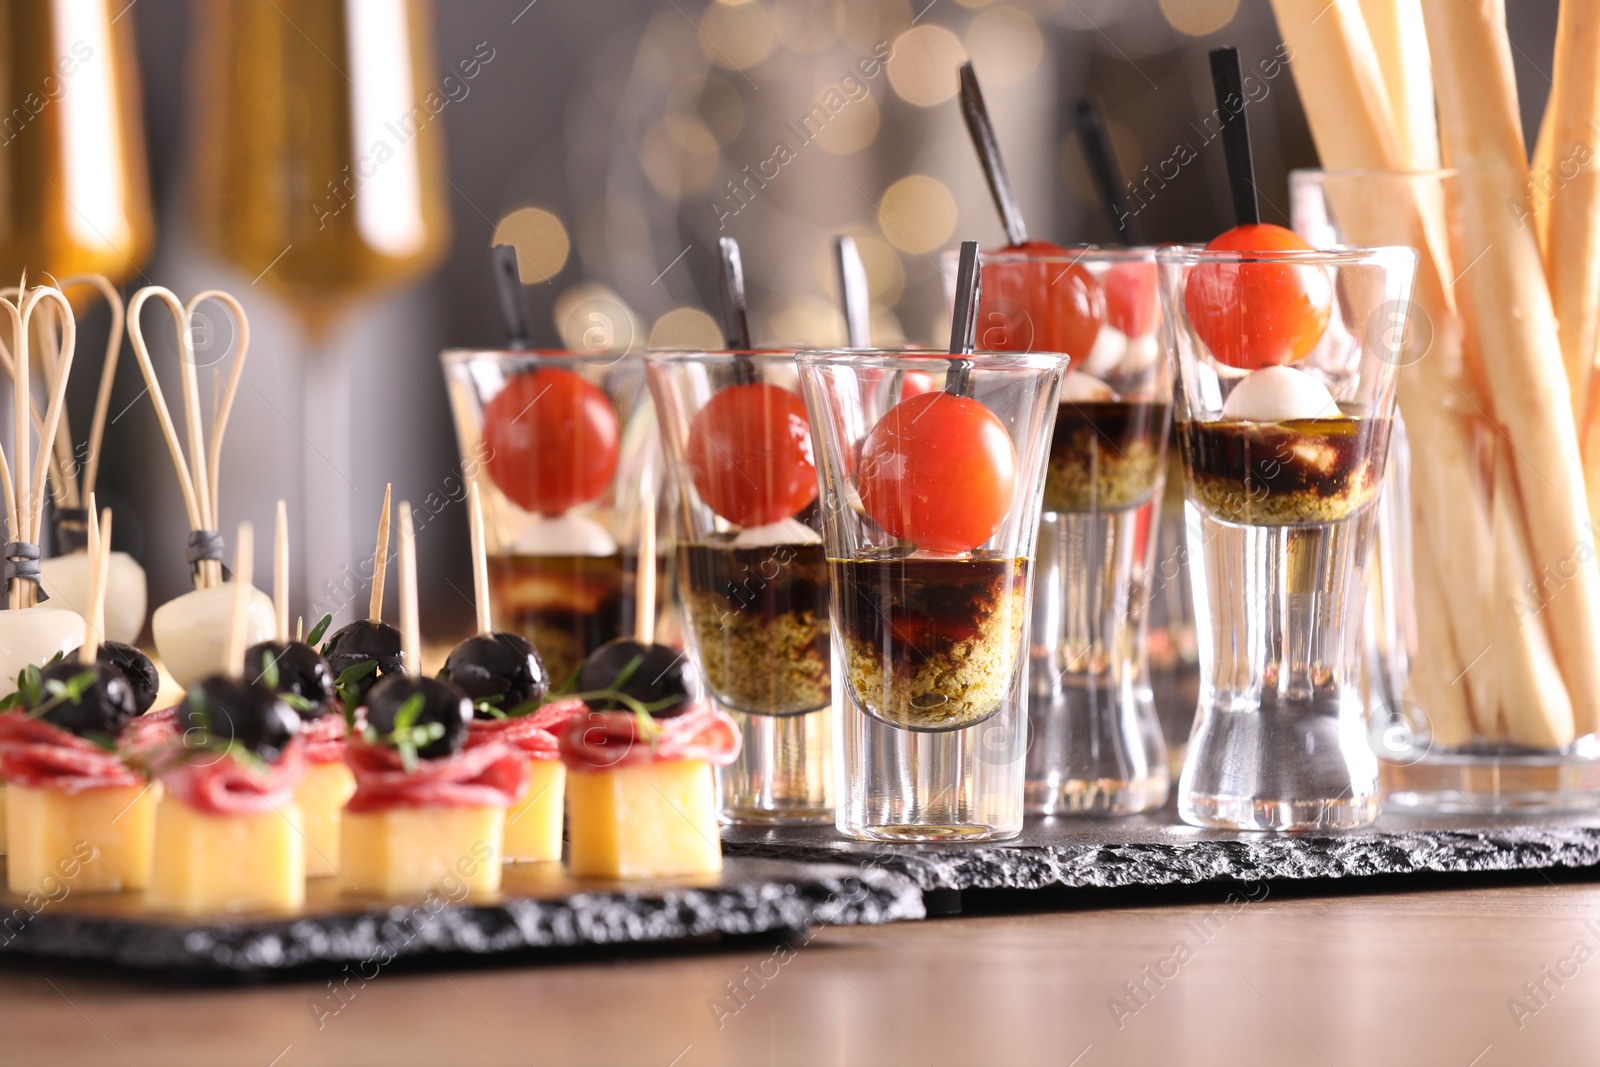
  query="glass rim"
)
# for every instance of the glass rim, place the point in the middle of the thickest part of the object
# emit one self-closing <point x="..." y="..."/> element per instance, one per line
<point x="763" y="356"/>
<point x="553" y="356"/>
<point x="918" y="359"/>
<point x="1318" y="173"/>
<point x="1068" y="254"/>
<point x="1389" y="256"/>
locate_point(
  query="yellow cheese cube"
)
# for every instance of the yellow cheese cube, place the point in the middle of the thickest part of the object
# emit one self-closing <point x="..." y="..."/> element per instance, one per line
<point x="208" y="863"/>
<point x="533" y="827"/>
<point x="408" y="852"/>
<point x="321" y="796"/>
<point x="3" y="830"/>
<point x="101" y="836"/>
<point x="654" y="820"/>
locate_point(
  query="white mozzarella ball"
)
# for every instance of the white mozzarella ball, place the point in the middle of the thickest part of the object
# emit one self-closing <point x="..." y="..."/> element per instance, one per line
<point x="1080" y="388"/>
<point x="34" y="635"/>
<point x="786" y="532"/>
<point x="66" y="578"/>
<point x="1106" y="355"/>
<point x="568" y="534"/>
<point x="1278" y="394"/>
<point x="191" y="631"/>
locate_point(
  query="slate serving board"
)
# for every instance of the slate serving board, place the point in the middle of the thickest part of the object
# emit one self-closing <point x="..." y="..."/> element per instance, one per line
<point x="1075" y="852"/>
<point x="540" y="907"/>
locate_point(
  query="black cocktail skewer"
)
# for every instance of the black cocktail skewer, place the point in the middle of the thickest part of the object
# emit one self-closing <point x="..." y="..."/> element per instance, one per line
<point x="964" y="323"/>
<point x="513" y="308"/>
<point x="1100" y="155"/>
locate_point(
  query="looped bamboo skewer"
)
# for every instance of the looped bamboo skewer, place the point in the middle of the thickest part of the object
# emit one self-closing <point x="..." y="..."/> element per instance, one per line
<point x="199" y="468"/>
<point x="24" y="477"/>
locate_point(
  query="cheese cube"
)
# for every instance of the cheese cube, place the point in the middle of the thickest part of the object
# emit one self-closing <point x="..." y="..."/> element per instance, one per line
<point x="209" y="863"/>
<point x="321" y="796"/>
<point x="3" y="830"/>
<point x="101" y="836"/>
<point x="409" y="852"/>
<point x="533" y="826"/>
<point x="654" y="820"/>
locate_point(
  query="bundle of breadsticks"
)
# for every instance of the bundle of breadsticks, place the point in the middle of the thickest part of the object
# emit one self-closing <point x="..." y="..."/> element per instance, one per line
<point x="1500" y="410"/>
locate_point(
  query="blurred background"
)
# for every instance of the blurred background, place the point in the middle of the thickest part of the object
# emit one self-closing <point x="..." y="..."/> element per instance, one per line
<point x="344" y="168"/>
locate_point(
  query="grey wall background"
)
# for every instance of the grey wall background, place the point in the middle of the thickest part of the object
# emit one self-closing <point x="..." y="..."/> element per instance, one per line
<point x="557" y="120"/>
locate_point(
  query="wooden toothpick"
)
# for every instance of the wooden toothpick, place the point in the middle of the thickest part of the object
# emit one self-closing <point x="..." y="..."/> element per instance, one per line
<point x="280" y="571"/>
<point x="243" y="574"/>
<point x="99" y="574"/>
<point x="410" y="624"/>
<point x="480" y="560"/>
<point x="380" y="560"/>
<point x="644" y="602"/>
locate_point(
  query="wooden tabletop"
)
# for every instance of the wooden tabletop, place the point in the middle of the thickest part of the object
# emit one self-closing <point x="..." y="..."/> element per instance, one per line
<point x="1413" y="978"/>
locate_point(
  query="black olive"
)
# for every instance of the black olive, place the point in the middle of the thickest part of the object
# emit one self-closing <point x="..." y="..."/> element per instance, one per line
<point x="236" y="709"/>
<point x="301" y="671"/>
<point x="497" y="665"/>
<point x="662" y="673"/>
<point x="361" y="641"/>
<point x="441" y="703"/>
<point x="137" y="668"/>
<point x="104" y="706"/>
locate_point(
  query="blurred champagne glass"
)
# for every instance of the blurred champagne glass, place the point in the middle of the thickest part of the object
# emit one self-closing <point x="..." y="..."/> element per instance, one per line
<point x="318" y="167"/>
<point x="74" y="195"/>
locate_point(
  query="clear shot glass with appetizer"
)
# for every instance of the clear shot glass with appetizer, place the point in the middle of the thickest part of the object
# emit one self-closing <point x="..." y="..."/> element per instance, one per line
<point x="752" y="575"/>
<point x="561" y="447"/>
<point x="1285" y="412"/>
<point x="930" y="507"/>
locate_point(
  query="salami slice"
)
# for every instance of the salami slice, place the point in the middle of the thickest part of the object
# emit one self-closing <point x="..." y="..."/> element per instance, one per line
<point x="532" y="735"/>
<point x="219" y="784"/>
<point x="488" y="774"/>
<point x="324" y="738"/>
<point x="36" y="754"/>
<point x="601" y="740"/>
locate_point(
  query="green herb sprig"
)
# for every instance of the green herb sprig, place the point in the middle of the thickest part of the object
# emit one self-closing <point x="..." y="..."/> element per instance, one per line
<point x="408" y="736"/>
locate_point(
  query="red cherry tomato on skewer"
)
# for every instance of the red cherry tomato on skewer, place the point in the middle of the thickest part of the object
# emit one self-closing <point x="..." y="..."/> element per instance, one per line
<point x="750" y="454"/>
<point x="1257" y="314"/>
<point x="552" y="440"/>
<point x="1037" y="306"/>
<point x="915" y="383"/>
<point x="940" y="471"/>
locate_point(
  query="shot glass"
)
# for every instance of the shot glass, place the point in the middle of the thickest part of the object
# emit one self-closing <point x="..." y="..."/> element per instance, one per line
<point x="932" y="472"/>
<point x="752" y="575"/>
<point x="564" y="451"/>
<point x="1287" y="398"/>
<point x="1095" y="744"/>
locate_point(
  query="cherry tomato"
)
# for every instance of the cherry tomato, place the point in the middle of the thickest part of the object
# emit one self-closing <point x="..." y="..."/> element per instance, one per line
<point x="1131" y="304"/>
<point x="1038" y="306"/>
<point x="750" y="454"/>
<point x="1254" y="315"/>
<point x="915" y="383"/>
<point x="940" y="471"/>
<point x="552" y="440"/>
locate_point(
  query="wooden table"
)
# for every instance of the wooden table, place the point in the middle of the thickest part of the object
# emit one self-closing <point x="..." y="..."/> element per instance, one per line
<point x="1413" y="978"/>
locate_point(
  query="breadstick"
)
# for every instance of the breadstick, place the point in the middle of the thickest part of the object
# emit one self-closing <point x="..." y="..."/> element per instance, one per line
<point x="1481" y="133"/>
<point x="1395" y="27"/>
<point x="1572" y="245"/>
<point x="1438" y="682"/>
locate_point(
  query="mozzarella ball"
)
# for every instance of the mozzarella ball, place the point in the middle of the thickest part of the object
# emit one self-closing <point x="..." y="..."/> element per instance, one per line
<point x="1279" y="394"/>
<point x="1080" y="388"/>
<point x="783" y="532"/>
<point x="191" y="631"/>
<point x="66" y="578"/>
<point x="34" y="636"/>
<point x="567" y="534"/>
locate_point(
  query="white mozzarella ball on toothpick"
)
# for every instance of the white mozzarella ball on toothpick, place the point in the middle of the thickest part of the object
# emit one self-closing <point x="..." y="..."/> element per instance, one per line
<point x="1279" y="394"/>
<point x="783" y="532"/>
<point x="1080" y="388"/>
<point x="191" y="631"/>
<point x="1106" y="355"/>
<point x="35" y="636"/>
<point x="568" y="534"/>
<point x="66" y="579"/>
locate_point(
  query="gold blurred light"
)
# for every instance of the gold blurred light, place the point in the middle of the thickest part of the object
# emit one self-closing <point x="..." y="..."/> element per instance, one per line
<point x="974" y="3"/>
<point x="686" y="328"/>
<point x="593" y="318"/>
<point x="540" y="239"/>
<point x="1005" y="45"/>
<point x="852" y="129"/>
<point x="679" y="155"/>
<point x="1197" y="18"/>
<point x="714" y="101"/>
<point x="808" y="26"/>
<point x="1075" y="171"/>
<point x="809" y="322"/>
<point x="923" y="70"/>
<point x="869" y="24"/>
<point x="886" y="276"/>
<point x="917" y="213"/>
<point x="610" y="231"/>
<point x="886" y="328"/>
<point x="737" y="37"/>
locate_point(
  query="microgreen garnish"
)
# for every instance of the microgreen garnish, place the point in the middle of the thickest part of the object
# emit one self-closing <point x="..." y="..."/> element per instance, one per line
<point x="408" y="736"/>
<point x="32" y="688"/>
<point x="347" y="685"/>
<point x="318" y="630"/>
<point x="269" y="671"/>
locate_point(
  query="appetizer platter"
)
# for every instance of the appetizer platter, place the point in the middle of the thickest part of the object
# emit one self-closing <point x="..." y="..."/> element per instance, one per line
<point x="769" y="638"/>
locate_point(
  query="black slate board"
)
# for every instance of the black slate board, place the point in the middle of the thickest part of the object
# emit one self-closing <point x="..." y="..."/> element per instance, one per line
<point x="1157" y="850"/>
<point x="540" y="907"/>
